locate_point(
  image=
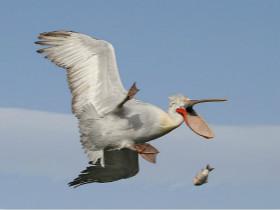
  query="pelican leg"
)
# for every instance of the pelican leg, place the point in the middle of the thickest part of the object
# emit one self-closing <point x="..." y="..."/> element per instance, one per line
<point x="147" y="151"/>
<point x="130" y="94"/>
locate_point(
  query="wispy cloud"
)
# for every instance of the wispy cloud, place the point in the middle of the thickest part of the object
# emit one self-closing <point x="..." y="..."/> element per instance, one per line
<point x="39" y="143"/>
<point x="47" y="144"/>
<point x="37" y="147"/>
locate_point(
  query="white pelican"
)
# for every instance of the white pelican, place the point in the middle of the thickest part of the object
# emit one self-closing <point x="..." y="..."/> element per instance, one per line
<point x="114" y="126"/>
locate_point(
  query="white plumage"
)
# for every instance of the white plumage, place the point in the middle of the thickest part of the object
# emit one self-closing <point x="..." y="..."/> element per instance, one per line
<point x="109" y="117"/>
<point x="91" y="66"/>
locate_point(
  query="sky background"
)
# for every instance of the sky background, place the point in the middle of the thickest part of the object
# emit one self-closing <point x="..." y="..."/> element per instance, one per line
<point x="197" y="48"/>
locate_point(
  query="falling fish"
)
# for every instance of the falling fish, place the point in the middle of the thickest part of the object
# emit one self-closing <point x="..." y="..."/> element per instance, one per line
<point x="202" y="176"/>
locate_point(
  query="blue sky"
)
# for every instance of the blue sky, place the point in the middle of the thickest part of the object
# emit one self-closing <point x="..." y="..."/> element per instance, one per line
<point x="198" y="48"/>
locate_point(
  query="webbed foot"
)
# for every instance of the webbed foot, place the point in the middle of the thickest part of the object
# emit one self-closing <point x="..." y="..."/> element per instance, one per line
<point x="147" y="151"/>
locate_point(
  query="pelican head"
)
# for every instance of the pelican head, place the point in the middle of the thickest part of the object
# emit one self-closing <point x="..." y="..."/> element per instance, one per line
<point x="184" y="106"/>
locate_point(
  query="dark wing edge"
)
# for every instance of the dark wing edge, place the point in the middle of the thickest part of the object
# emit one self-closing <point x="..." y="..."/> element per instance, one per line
<point x="119" y="164"/>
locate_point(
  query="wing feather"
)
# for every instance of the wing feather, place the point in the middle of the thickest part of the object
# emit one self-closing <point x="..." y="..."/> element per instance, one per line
<point x="91" y="67"/>
<point x="119" y="164"/>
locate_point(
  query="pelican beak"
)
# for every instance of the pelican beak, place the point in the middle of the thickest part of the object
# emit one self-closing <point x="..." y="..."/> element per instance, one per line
<point x="194" y="121"/>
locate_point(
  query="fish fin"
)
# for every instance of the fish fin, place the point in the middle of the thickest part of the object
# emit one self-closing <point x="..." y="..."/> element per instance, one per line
<point x="209" y="168"/>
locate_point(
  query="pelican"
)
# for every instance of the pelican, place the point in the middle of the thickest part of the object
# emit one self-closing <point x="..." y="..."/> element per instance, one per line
<point x="114" y="126"/>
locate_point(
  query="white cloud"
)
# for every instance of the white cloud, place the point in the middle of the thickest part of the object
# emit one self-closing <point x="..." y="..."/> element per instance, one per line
<point x="39" y="143"/>
<point x="47" y="144"/>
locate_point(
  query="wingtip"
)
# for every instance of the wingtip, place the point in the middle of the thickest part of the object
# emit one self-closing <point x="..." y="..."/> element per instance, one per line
<point x="39" y="42"/>
<point x="75" y="183"/>
<point x="73" y="186"/>
<point x="40" y="51"/>
<point x="57" y="33"/>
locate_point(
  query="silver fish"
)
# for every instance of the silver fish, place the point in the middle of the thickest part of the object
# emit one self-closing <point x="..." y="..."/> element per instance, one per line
<point x="202" y="176"/>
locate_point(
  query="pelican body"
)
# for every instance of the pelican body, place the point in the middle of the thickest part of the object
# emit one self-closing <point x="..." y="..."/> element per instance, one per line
<point x="135" y="123"/>
<point x="110" y="118"/>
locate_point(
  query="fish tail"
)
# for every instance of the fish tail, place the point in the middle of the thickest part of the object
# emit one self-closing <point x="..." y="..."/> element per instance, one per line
<point x="209" y="168"/>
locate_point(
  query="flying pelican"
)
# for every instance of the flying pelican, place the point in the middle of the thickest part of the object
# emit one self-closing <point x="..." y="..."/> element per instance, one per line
<point x="114" y="126"/>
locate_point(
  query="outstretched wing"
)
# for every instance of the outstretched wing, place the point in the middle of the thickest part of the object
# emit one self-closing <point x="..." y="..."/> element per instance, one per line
<point x="91" y="67"/>
<point x="119" y="164"/>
